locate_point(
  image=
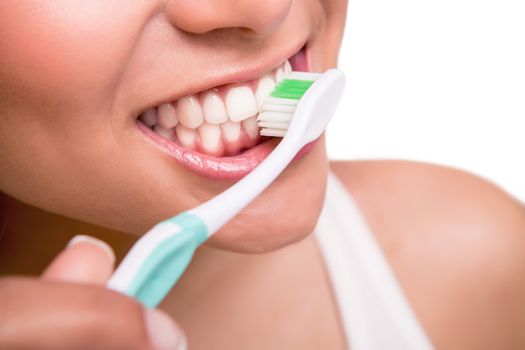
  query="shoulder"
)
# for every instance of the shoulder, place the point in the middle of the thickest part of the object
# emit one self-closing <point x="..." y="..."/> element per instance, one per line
<point x="456" y="243"/>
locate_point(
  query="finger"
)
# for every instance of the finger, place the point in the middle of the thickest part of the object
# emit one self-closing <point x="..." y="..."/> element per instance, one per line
<point x="85" y="260"/>
<point x="55" y="315"/>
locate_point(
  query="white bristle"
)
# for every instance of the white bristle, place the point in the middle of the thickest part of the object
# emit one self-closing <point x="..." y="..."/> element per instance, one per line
<point x="278" y="108"/>
<point x="273" y="132"/>
<point x="303" y="76"/>
<point x="275" y="117"/>
<point x="274" y="125"/>
<point x="280" y="101"/>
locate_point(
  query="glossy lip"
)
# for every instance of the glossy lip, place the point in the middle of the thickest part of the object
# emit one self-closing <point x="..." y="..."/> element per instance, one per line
<point x="220" y="168"/>
<point x="233" y="167"/>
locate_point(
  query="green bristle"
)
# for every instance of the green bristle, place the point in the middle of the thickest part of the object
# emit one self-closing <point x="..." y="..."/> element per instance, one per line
<point x="291" y="89"/>
<point x="296" y="83"/>
<point x="290" y="96"/>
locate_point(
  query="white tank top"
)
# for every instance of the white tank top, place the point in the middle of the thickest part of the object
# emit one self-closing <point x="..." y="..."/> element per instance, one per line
<point x="374" y="312"/>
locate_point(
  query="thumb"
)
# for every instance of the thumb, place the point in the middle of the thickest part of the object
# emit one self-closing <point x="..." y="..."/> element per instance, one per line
<point x="84" y="260"/>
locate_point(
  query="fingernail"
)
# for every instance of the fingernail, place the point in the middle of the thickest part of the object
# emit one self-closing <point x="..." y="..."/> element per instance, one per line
<point x="163" y="332"/>
<point x="92" y="240"/>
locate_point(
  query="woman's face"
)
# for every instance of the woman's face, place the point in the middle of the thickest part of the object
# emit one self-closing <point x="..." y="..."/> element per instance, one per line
<point x="90" y="92"/>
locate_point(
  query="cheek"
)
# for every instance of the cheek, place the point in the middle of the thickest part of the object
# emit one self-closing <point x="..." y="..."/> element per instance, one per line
<point x="60" y="63"/>
<point x="88" y="174"/>
<point x="65" y="53"/>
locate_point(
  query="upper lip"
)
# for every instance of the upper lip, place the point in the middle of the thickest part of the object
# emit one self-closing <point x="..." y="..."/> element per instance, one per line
<point x="237" y="75"/>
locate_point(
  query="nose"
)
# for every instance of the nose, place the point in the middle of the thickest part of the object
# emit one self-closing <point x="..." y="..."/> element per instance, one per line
<point x="260" y="17"/>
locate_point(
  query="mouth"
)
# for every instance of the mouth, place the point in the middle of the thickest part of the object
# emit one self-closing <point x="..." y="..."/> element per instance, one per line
<point x="214" y="132"/>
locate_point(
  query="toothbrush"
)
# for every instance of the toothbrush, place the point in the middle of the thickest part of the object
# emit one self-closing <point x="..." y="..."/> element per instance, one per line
<point x="158" y="259"/>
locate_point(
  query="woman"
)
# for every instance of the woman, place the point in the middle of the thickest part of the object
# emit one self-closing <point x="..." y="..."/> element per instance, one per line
<point x="90" y="95"/>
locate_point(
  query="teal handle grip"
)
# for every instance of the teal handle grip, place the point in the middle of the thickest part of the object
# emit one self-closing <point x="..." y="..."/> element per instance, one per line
<point x="168" y="261"/>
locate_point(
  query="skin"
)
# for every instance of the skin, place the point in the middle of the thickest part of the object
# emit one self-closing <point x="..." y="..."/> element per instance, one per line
<point x="73" y="79"/>
<point x="85" y="105"/>
<point x="456" y="244"/>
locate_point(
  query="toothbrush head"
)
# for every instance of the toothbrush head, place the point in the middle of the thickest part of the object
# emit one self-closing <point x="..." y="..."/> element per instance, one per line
<point x="317" y="106"/>
<point x="279" y="107"/>
<point x="311" y="97"/>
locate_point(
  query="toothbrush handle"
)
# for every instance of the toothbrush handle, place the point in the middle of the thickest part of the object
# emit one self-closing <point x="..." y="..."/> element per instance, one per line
<point x="222" y="208"/>
<point x="158" y="259"/>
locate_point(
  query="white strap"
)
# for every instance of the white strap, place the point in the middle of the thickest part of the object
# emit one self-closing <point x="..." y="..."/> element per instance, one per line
<point x="374" y="311"/>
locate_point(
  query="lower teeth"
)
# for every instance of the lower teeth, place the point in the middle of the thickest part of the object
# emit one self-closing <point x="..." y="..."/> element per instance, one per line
<point x="227" y="139"/>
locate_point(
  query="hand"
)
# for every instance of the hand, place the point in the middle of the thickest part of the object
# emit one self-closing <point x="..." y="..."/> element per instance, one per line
<point x="69" y="307"/>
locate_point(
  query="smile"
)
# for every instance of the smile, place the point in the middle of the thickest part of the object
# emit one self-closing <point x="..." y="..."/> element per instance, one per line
<point x="215" y="132"/>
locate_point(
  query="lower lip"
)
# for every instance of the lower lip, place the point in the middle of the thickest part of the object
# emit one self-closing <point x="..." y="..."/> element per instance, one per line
<point x="220" y="168"/>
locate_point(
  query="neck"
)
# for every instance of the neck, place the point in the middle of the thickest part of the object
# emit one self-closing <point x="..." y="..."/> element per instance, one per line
<point x="31" y="237"/>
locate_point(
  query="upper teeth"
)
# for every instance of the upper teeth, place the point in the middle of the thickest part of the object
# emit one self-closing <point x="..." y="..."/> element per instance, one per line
<point x="166" y="115"/>
<point x="211" y="120"/>
<point x="266" y="85"/>
<point x="240" y="103"/>
<point x="214" y="110"/>
<point x="189" y="111"/>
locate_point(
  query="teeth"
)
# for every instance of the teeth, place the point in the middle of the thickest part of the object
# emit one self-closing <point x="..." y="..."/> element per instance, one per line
<point x="187" y="137"/>
<point x="166" y="133"/>
<point x="149" y="117"/>
<point x="210" y="136"/>
<point x="287" y="67"/>
<point x="251" y="128"/>
<point x="207" y="123"/>
<point x="167" y="117"/>
<point x="240" y="103"/>
<point x="264" y="89"/>
<point x="214" y="110"/>
<point x="189" y="112"/>
<point x="279" y="74"/>
<point x="231" y="131"/>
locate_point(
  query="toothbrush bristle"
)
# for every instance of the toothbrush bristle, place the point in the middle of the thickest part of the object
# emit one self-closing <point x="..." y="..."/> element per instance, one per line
<point x="279" y="108"/>
<point x="273" y="132"/>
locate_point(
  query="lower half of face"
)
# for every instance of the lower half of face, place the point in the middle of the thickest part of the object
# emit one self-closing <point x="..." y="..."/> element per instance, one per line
<point x="123" y="116"/>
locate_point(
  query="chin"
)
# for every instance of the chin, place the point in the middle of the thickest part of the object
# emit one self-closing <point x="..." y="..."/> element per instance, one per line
<point x="285" y="213"/>
<point x="262" y="238"/>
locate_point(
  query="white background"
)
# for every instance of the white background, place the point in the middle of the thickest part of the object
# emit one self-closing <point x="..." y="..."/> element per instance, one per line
<point x="439" y="81"/>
